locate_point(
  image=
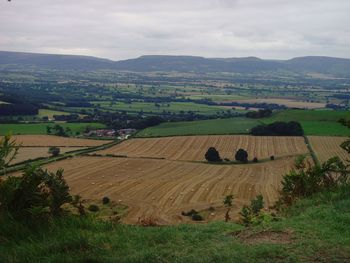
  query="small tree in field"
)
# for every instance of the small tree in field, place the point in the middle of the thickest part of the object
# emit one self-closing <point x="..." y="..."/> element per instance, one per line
<point x="54" y="151"/>
<point x="241" y="156"/>
<point x="228" y="203"/>
<point x="212" y="155"/>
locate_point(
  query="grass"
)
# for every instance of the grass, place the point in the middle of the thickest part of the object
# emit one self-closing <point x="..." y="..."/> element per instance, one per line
<point x="318" y="230"/>
<point x="40" y="128"/>
<point x="315" y="122"/>
<point x="216" y="126"/>
<point x="50" y="113"/>
<point x="173" y="107"/>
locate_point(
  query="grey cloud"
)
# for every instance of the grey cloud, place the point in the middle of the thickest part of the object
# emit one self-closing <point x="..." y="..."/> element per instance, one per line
<point x="120" y="29"/>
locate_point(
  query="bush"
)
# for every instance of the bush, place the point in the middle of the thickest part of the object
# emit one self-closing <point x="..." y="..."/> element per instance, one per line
<point x="306" y="179"/>
<point x="54" y="151"/>
<point x="105" y="200"/>
<point x="252" y="214"/>
<point x="272" y="157"/>
<point x="212" y="155"/>
<point x="93" y="208"/>
<point x="189" y="213"/>
<point x="197" y="217"/>
<point x="255" y="160"/>
<point x="241" y="156"/>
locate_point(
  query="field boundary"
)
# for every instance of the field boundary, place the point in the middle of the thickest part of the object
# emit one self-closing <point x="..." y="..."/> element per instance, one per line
<point x="311" y="150"/>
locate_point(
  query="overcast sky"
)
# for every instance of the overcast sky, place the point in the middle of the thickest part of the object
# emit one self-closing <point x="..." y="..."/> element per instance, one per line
<point x="121" y="29"/>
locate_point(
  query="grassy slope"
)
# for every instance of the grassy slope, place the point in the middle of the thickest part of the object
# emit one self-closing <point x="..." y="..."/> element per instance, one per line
<point x="319" y="228"/>
<point x="315" y="122"/>
<point x="216" y="126"/>
<point x="40" y="128"/>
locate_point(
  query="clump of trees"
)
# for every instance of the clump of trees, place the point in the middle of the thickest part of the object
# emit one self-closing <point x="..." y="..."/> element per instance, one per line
<point x="252" y="214"/>
<point x="292" y="128"/>
<point x="212" y="155"/>
<point x="58" y="130"/>
<point x="259" y="114"/>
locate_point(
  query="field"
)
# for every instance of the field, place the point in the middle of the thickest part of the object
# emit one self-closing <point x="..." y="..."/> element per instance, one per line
<point x="206" y="127"/>
<point x="146" y="107"/>
<point x="315" y="122"/>
<point x="40" y="128"/>
<point x="287" y="102"/>
<point x="50" y="113"/>
<point x="326" y="147"/>
<point x="193" y="148"/>
<point x="163" y="189"/>
<point x="31" y="153"/>
<point x="50" y="140"/>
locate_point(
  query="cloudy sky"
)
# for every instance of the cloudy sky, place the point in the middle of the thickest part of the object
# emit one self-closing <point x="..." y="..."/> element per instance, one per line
<point x="120" y="29"/>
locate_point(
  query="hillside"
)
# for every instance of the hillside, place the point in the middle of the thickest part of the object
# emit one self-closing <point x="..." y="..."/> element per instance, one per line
<point x="323" y="65"/>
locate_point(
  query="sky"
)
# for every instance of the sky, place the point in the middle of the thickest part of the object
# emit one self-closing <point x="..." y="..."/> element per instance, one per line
<point x="122" y="29"/>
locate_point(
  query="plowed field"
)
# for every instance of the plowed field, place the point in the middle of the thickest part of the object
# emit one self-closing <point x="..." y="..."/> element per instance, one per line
<point x="193" y="148"/>
<point x="326" y="147"/>
<point x="163" y="188"/>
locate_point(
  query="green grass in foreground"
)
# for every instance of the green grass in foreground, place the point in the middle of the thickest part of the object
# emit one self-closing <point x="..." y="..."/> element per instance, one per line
<point x="216" y="126"/>
<point x="40" y="128"/>
<point x="318" y="232"/>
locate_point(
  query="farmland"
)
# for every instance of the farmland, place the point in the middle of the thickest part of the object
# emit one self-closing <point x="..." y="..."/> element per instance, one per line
<point x="193" y="148"/>
<point x="32" y="153"/>
<point x="40" y="128"/>
<point x="326" y="147"/>
<point x="206" y="127"/>
<point x="163" y="189"/>
<point x="50" y="140"/>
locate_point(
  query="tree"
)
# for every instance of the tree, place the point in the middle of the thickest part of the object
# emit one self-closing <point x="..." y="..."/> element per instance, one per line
<point x="228" y="203"/>
<point x="8" y="152"/>
<point x="241" y="156"/>
<point x="54" y="151"/>
<point x="212" y="155"/>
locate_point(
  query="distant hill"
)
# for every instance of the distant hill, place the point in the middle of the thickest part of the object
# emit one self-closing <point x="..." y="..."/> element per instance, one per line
<point x="311" y="64"/>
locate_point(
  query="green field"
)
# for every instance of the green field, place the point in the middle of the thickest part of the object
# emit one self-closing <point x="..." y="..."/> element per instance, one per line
<point x="40" y="128"/>
<point x="315" y="122"/>
<point x="314" y="230"/>
<point x="51" y="113"/>
<point x="173" y="107"/>
<point x="216" y="126"/>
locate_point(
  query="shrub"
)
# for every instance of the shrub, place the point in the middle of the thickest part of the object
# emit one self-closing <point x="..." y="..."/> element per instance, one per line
<point x="241" y="156"/>
<point x="272" y="157"/>
<point x="105" y="200"/>
<point x="189" y="213"/>
<point x="93" y="208"/>
<point x="252" y="214"/>
<point x="197" y="217"/>
<point x="54" y="151"/>
<point x="255" y="160"/>
<point x="212" y="155"/>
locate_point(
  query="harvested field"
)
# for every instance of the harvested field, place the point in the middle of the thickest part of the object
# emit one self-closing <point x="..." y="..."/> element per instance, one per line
<point x="193" y="148"/>
<point x="163" y="189"/>
<point x="326" y="147"/>
<point x="31" y="153"/>
<point x="50" y="140"/>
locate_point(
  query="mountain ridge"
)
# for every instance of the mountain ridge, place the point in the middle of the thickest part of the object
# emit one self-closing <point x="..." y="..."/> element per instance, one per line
<point x="181" y="63"/>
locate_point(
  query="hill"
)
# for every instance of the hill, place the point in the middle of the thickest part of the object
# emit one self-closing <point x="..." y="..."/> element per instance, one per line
<point x="311" y="64"/>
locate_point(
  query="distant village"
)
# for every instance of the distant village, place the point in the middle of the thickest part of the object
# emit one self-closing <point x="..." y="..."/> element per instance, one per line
<point x="109" y="133"/>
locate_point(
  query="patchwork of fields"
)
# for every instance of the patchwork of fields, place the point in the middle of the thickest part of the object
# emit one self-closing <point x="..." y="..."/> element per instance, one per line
<point x="193" y="148"/>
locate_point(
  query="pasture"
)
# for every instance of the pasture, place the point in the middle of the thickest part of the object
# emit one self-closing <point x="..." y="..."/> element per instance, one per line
<point x="205" y="127"/>
<point x="326" y="147"/>
<point x="163" y="189"/>
<point x="193" y="148"/>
